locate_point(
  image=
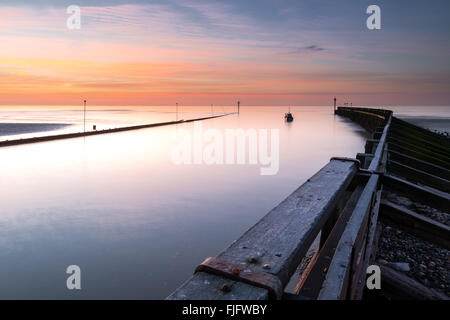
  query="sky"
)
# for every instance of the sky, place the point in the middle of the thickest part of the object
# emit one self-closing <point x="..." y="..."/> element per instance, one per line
<point x="202" y="52"/>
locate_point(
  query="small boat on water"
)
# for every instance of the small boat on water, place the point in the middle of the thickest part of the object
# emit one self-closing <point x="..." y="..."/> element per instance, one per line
<point x="288" y="116"/>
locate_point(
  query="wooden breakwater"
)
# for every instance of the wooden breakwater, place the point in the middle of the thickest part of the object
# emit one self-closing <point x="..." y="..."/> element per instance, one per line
<point x="342" y="205"/>
<point x="15" y="142"/>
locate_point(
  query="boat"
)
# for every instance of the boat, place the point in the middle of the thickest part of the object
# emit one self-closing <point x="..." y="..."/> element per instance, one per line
<point x="288" y="116"/>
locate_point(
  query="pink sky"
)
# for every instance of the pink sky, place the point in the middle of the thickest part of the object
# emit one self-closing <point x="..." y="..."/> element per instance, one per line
<point x="138" y="55"/>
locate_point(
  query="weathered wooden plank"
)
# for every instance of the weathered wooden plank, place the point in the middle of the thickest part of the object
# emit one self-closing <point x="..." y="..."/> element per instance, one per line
<point x="406" y="125"/>
<point x="374" y="249"/>
<point x="402" y="287"/>
<point x="339" y="272"/>
<point x="419" y="164"/>
<point x="312" y="279"/>
<point x="204" y="286"/>
<point x="415" y="224"/>
<point x="365" y="159"/>
<point x="429" y="150"/>
<point x="371" y="145"/>
<point x="418" y="176"/>
<point x="414" y="130"/>
<point x="335" y="285"/>
<point x="292" y="296"/>
<point x="360" y="178"/>
<point x="384" y="159"/>
<point x="371" y="242"/>
<point x="377" y="135"/>
<point x="381" y="112"/>
<point x="281" y="238"/>
<point x="366" y="118"/>
<point x="363" y="112"/>
<point x="414" y="138"/>
<point x="374" y="164"/>
<point x="330" y="223"/>
<point x="418" y="155"/>
<point x="428" y="196"/>
<point x="358" y="254"/>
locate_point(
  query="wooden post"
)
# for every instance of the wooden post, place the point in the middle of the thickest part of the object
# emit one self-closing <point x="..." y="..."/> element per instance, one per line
<point x="84" y="121"/>
<point x="239" y="105"/>
<point x="416" y="224"/>
<point x="334" y="105"/>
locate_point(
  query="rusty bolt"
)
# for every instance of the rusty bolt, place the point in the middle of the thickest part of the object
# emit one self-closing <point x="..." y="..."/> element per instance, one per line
<point x="225" y="288"/>
<point x="252" y="260"/>
<point x="235" y="271"/>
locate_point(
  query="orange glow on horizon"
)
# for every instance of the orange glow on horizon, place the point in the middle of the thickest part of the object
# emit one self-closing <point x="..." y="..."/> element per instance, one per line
<point x="44" y="63"/>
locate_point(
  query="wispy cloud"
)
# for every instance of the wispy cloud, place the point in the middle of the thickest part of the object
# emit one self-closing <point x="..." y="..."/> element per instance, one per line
<point x="305" y="50"/>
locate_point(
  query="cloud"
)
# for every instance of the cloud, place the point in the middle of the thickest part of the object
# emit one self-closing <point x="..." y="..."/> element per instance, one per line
<point x="305" y="50"/>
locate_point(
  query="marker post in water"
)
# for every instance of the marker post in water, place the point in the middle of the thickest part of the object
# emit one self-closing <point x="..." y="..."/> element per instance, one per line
<point x="334" y="105"/>
<point x="84" y="120"/>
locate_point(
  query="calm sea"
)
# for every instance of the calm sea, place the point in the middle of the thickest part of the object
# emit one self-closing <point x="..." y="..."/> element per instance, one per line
<point x="118" y="206"/>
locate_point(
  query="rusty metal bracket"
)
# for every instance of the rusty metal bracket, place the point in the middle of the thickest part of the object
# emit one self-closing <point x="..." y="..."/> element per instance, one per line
<point x="242" y="273"/>
<point x="358" y="165"/>
<point x="356" y="161"/>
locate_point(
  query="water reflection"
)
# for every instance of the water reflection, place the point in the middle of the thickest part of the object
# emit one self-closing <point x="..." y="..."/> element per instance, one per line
<point x="136" y="223"/>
